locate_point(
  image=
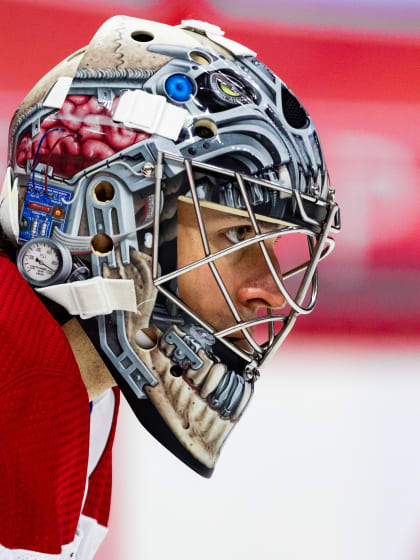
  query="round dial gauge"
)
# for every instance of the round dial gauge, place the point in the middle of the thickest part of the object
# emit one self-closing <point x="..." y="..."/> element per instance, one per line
<point x="43" y="262"/>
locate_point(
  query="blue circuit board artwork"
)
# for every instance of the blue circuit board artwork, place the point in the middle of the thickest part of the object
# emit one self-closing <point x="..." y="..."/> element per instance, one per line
<point x="42" y="212"/>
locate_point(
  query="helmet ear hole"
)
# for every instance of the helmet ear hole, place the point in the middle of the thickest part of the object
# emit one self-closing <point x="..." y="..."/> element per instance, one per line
<point x="200" y="58"/>
<point x="101" y="244"/>
<point x="205" y="128"/>
<point x="142" y="36"/>
<point x="103" y="191"/>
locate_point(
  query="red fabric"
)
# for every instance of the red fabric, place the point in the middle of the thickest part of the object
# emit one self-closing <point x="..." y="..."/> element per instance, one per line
<point x="98" y="499"/>
<point x="44" y="427"/>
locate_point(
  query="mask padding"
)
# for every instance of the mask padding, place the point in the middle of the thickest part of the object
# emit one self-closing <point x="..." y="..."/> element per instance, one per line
<point x="293" y="111"/>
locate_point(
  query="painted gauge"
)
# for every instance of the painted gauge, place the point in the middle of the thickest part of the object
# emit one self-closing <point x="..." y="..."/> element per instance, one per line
<point x="230" y="90"/>
<point x="43" y="261"/>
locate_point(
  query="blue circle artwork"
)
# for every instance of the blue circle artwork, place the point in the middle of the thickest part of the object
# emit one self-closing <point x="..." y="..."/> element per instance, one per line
<point x="179" y="87"/>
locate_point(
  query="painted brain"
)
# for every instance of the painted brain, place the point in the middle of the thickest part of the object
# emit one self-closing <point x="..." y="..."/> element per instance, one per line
<point x="81" y="134"/>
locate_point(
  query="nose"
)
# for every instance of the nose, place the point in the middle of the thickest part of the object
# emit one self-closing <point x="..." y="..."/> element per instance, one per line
<point x="258" y="288"/>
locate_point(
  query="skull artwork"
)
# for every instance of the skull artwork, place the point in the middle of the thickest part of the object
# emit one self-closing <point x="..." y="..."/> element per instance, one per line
<point x="168" y="190"/>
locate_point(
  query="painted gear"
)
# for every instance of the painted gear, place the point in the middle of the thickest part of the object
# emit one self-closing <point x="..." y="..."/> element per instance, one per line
<point x="102" y="153"/>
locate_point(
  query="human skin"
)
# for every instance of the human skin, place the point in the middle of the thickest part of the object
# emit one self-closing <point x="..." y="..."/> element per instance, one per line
<point x="244" y="272"/>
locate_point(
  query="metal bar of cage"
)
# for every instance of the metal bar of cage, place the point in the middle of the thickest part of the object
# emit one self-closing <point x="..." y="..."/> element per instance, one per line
<point x="263" y="183"/>
<point x="156" y="221"/>
<point x="250" y="178"/>
<point x="223" y="252"/>
<point x="278" y="341"/>
<point x="244" y="355"/>
<point x="277" y="279"/>
<point x="215" y="272"/>
<point x="252" y="323"/>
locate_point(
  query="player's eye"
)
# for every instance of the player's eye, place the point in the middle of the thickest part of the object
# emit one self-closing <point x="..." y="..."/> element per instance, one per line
<point x="239" y="233"/>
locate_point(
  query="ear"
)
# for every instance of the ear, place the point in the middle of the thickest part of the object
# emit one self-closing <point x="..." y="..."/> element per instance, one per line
<point x="9" y="208"/>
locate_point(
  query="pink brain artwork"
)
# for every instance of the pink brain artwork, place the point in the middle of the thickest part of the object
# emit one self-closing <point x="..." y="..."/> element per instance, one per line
<point x="87" y="135"/>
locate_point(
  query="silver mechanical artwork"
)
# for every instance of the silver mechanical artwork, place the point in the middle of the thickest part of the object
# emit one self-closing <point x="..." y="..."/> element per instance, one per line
<point x="147" y="123"/>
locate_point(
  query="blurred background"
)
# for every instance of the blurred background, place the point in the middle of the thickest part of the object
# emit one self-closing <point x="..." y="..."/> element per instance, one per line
<point x="326" y="462"/>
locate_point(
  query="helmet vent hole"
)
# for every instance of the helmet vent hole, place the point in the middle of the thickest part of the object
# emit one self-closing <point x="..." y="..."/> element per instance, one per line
<point x="146" y="338"/>
<point x="101" y="244"/>
<point x="205" y="128"/>
<point x="200" y="58"/>
<point x="176" y="371"/>
<point x="142" y="36"/>
<point x="103" y="192"/>
<point x="293" y="111"/>
<point x="203" y="132"/>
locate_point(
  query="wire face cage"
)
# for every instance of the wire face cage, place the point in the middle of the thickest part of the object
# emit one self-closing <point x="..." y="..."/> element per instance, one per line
<point x="273" y="227"/>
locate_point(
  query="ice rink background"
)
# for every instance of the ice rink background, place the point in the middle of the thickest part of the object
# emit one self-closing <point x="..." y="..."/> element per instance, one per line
<point x="325" y="463"/>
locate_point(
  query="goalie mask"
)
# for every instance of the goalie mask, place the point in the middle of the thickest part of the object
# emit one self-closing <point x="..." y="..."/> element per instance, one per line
<point x="169" y="190"/>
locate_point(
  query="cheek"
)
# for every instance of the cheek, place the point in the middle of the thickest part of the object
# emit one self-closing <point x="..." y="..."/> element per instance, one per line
<point x="198" y="288"/>
<point x="234" y="267"/>
<point x="190" y="249"/>
<point x="189" y="246"/>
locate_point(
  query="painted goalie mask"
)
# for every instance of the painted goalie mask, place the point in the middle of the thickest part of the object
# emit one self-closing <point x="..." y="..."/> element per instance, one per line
<point x="168" y="189"/>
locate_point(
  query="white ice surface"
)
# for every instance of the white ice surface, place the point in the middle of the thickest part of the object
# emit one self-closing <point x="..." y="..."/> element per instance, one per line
<point x="324" y="465"/>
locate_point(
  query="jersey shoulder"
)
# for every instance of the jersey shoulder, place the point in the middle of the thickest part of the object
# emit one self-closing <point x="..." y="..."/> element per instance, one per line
<point x="44" y="423"/>
<point x="44" y="447"/>
<point x="29" y="335"/>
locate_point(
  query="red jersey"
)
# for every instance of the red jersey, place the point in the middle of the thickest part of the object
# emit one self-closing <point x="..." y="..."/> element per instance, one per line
<point x="46" y="504"/>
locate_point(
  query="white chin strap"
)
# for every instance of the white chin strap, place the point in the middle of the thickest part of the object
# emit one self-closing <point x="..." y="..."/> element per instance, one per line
<point x="96" y="296"/>
<point x="9" y="208"/>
